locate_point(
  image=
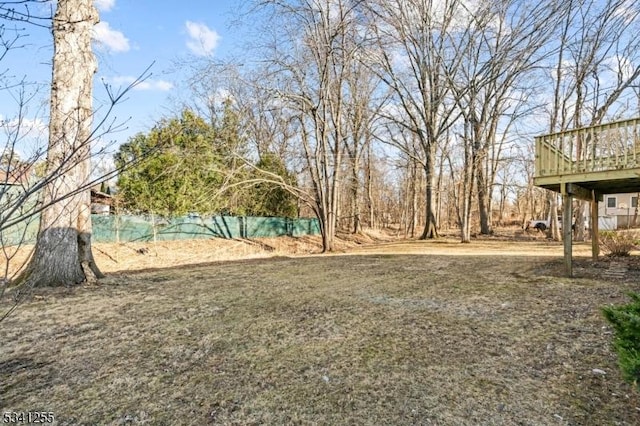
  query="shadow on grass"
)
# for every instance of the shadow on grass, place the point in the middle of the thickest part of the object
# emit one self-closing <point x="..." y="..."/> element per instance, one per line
<point x="361" y="339"/>
<point x="22" y="372"/>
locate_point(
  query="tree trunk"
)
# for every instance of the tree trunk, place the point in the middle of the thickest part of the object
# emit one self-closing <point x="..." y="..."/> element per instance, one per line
<point x="503" y="199"/>
<point x="466" y="211"/>
<point x="355" y="199"/>
<point x="554" y="228"/>
<point x="369" y="178"/>
<point x="63" y="250"/>
<point x="329" y="232"/>
<point x="579" y="217"/>
<point x="439" y="194"/>
<point x="430" y="230"/>
<point x="466" y="191"/>
<point x="415" y="186"/>
<point x="483" y="204"/>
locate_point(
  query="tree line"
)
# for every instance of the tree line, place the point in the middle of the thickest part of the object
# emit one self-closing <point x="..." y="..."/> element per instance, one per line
<point x="366" y="112"/>
<point x="422" y="112"/>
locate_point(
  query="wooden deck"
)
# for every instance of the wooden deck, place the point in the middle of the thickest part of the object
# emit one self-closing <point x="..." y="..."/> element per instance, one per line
<point x="603" y="158"/>
<point x="587" y="163"/>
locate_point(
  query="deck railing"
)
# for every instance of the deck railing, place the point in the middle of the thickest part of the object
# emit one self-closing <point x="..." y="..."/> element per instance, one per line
<point x="605" y="147"/>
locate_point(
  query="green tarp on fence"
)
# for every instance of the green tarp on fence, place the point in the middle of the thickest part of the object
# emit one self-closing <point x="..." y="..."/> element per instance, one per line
<point x="25" y="232"/>
<point x="141" y="228"/>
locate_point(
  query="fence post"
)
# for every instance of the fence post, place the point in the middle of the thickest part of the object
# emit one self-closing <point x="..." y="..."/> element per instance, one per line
<point x="117" y="226"/>
<point x="153" y="227"/>
<point x="243" y="226"/>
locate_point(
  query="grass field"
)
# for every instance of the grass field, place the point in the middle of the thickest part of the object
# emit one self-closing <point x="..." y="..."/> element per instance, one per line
<point x="402" y="333"/>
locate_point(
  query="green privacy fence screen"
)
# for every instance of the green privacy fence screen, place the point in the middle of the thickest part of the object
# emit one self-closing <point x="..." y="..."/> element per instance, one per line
<point x="141" y="228"/>
<point x="25" y="232"/>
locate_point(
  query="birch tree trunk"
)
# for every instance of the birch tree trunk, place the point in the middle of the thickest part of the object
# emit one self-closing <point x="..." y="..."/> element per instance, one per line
<point x="63" y="254"/>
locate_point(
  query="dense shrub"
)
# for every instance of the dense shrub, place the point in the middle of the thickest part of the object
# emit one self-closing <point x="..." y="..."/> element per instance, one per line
<point x="626" y="323"/>
<point x="618" y="243"/>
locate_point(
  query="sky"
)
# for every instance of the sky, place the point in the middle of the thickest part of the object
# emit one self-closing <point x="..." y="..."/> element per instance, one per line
<point x="167" y="35"/>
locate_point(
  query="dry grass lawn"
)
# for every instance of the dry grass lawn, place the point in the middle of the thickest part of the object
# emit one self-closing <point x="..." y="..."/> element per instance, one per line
<point x="399" y="333"/>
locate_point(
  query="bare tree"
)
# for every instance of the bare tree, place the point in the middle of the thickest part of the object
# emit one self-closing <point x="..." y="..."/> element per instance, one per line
<point x="462" y="176"/>
<point x="63" y="253"/>
<point x="360" y="121"/>
<point x="596" y="66"/>
<point x="49" y="181"/>
<point x="413" y="180"/>
<point x="413" y="58"/>
<point x="312" y="55"/>
<point x="33" y="12"/>
<point x="502" y="43"/>
<point x="411" y="159"/>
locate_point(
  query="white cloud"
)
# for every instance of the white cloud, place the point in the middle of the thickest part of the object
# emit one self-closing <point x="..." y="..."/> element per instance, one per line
<point x="105" y="5"/>
<point x="217" y="99"/>
<point x="618" y="67"/>
<point x="25" y="127"/>
<point x="148" y="84"/>
<point x="111" y="39"/>
<point x="627" y="10"/>
<point x="202" y="39"/>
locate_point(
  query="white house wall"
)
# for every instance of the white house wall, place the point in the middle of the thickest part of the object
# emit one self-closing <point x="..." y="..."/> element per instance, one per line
<point x="623" y="212"/>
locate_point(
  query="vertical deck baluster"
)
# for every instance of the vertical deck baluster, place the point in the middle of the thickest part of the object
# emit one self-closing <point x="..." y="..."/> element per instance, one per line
<point x="585" y="149"/>
<point x="538" y="156"/>
<point x="553" y="151"/>
<point x="541" y="157"/>
<point x="553" y="156"/>
<point x="636" y="143"/>
<point x="572" y="146"/>
<point x="549" y="158"/>
<point x="601" y="149"/>
<point x="616" y="147"/>
<point x="560" y="143"/>
<point x="613" y="135"/>
<point x="554" y="160"/>
<point x="592" y="151"/>
<point x="625" y="146"/>
<point x="545" y="156"/>
<point x="573" y="159"/>
<point x="574" y="164"/>
<point x="610" y="162"/>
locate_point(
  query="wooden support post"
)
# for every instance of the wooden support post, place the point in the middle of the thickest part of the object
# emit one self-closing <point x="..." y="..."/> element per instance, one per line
<point x="595" y="232"/>
<point x="567" y="216"/>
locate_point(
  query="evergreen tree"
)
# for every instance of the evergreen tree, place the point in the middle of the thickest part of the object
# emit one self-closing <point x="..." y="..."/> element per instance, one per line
<point x="626" y="323"/>
<point x="270" y="199"/>
<point x="185" y="164"/>
<point x="175" y="169"/>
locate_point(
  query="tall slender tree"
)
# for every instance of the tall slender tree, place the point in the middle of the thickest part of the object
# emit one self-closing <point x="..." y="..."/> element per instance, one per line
<point x="502" y="44"/>
<point x="413" y="59"/>
<point x="312" y="55"/>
